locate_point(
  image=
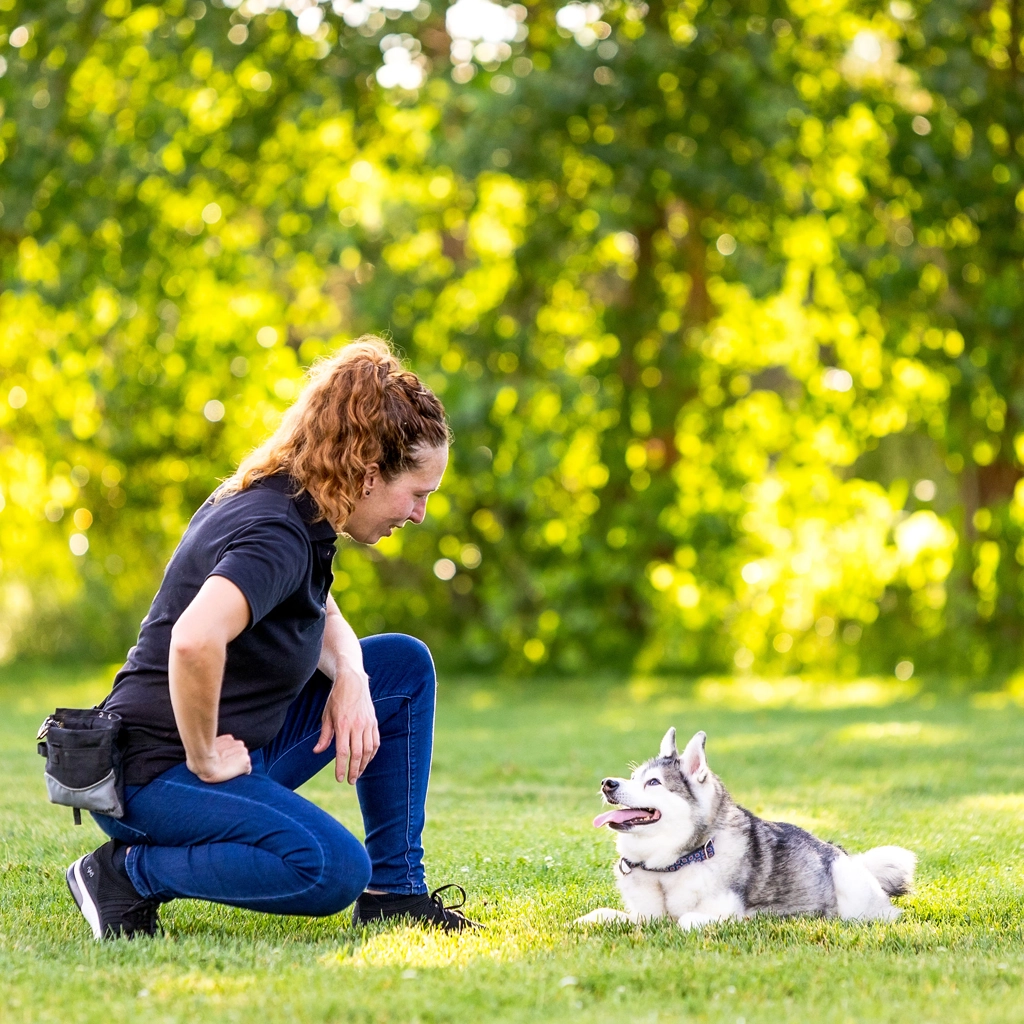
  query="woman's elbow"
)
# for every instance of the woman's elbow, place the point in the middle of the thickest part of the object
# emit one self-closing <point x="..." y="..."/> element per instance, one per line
<point x="190" y="646"/>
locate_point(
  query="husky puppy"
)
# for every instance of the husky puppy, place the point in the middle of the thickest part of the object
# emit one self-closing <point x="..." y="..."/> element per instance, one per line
<point x="688" y="852"/>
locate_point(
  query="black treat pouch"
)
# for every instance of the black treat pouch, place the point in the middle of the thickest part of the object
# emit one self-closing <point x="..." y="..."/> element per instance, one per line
<point x="83" y="760"/>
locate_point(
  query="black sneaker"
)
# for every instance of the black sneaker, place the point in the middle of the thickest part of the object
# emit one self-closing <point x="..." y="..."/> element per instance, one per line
<point x="428" y="909"/>
<point x="106" y="897"/>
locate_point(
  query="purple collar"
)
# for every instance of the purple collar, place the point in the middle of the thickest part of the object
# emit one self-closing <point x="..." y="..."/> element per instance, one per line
<point x="705" y="852"/>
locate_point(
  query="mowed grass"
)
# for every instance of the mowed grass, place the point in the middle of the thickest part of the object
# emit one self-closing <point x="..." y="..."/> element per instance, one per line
<point x="514" y="790"/>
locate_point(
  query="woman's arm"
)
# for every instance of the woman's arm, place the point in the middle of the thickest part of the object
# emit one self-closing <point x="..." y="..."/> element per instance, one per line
<point x="195" y="669"/>
<point x="349" y="717"/>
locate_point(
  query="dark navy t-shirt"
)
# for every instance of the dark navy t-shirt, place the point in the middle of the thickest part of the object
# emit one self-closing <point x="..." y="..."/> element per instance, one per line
<point x="264" y="541"/>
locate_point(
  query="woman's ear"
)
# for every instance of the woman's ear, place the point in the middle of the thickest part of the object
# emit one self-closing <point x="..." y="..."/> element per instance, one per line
<point x="370" y="478"/>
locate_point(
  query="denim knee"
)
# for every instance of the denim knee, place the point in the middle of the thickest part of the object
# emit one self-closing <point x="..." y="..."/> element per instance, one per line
<point x="341" y="889"/>
<point x="414" y="654"/>
<point x="398" y="651"/>
<point x="339" y="869"/>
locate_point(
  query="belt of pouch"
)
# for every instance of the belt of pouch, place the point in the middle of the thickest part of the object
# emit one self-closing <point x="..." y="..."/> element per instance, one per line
<point x="83" y="760"/>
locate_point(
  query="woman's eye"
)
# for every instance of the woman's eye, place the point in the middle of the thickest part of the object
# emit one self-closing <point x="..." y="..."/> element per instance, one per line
<point x="652" y="782"/>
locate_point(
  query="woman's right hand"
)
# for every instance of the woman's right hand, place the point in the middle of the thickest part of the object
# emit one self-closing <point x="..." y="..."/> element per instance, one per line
<point x="228" y="759"/>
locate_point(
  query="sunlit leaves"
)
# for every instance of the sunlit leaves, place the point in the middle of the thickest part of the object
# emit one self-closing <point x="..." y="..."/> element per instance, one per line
<point x="694" y="282"/>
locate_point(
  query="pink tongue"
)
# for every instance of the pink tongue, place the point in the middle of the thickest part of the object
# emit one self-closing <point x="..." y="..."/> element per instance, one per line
<point x="620" y="816"/>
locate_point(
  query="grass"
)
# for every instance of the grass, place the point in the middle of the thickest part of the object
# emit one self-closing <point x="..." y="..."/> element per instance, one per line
<point x="515" y="780"/>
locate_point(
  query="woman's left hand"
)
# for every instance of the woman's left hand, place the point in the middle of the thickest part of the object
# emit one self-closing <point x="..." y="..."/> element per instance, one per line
<point x="351" y="721"/>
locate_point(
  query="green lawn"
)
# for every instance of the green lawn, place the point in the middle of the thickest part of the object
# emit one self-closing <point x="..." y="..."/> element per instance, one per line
<point x="515" y="787"/>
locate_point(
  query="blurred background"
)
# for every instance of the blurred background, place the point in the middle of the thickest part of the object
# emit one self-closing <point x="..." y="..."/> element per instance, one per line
<point x="722" y="299"/>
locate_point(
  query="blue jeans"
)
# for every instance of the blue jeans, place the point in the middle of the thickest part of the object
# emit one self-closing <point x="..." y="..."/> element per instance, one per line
<point x="252" y="842"/>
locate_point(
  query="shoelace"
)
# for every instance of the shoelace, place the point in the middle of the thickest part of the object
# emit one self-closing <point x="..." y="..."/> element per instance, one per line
<point x="450" y="911"/>
<point x="143" y="917"/>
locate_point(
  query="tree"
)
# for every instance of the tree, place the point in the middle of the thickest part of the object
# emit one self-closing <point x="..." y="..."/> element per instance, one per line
<point x="719" y="298"/>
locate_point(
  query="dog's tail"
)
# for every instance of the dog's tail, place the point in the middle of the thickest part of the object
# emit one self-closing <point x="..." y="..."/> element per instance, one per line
<point x="892" y="866"/>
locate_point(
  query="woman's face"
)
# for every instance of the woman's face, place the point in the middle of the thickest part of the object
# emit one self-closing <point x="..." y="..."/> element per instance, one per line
<point x="393" y="503"/>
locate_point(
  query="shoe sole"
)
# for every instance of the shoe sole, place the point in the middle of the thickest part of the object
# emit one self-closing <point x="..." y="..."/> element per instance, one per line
<point x="80" y="894"/>
<point x="408" y="919"/>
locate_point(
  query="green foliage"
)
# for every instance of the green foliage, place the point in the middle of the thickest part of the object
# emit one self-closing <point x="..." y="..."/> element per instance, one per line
<point x="722" y="301"/>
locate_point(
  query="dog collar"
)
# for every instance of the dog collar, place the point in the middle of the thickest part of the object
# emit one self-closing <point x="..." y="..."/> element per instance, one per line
<point x="705" y="852"/>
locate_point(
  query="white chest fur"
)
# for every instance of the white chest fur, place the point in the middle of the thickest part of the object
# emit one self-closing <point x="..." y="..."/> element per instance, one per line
<point x="657" y="894"/>
<point x="698" y="888"/>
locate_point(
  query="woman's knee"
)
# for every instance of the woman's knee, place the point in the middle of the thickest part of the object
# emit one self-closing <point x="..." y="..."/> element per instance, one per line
<point x="335" y="868"/>
<point x="406" y="653"/>
<point x="340" y="888"/>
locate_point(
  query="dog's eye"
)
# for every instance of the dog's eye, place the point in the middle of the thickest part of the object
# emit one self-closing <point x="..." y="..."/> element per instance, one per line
<point x="652" y="782"/>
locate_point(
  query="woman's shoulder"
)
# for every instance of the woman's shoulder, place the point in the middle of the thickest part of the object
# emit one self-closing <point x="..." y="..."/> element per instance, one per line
<point x="292" y="501"/>
<point x="269" y="500"/>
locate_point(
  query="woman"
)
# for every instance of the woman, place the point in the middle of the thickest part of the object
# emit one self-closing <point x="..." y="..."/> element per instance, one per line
<point x="246" y="680"/>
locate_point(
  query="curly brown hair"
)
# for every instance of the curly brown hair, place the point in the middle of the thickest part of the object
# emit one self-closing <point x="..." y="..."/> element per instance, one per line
<point x="358" y="408"/>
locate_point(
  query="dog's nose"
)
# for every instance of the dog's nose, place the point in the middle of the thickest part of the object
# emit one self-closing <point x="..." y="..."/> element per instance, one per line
<point x="608" y="785"/>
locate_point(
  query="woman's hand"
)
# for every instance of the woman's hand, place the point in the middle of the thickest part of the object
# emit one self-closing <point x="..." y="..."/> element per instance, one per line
<point x="228" y="759"/>
<point x="351" y="721"/>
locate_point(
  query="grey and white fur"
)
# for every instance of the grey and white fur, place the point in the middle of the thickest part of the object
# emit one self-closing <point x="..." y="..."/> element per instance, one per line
<point x="674" y="804"/>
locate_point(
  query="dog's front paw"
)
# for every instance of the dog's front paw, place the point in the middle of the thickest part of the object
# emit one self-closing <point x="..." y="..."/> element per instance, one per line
<point x="688" y="922"/>
<point x="602" y="916"/>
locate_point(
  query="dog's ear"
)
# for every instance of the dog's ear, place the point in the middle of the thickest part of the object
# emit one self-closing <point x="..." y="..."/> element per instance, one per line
<point x="693" y="762"/>
<point x="668" y="744"/>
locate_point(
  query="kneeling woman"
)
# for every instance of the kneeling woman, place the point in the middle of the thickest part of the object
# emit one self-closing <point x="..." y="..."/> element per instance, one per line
<point x="246" y="680"/>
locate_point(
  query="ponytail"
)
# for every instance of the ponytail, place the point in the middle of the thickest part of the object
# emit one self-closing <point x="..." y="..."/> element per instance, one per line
<point x="358" y="408"/>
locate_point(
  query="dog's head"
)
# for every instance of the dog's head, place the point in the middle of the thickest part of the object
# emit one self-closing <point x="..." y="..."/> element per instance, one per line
<point x="668" y="799"/>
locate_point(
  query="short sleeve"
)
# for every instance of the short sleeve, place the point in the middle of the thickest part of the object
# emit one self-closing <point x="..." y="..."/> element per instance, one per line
<point x="268" y="560"/>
